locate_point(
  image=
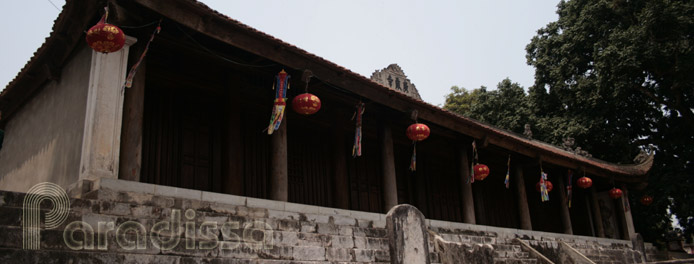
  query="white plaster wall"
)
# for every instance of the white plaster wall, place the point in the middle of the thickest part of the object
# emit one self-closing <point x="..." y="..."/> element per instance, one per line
<point x="43" y="140"/>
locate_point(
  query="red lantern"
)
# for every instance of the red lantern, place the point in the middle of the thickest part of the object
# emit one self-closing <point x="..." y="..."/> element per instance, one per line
<point x="646" y="200"/>
<point x="547" y="183"/>
<point x="104" y="37"/>
<point x="306" y="104"/>
<point x="584" y="182"/>
<point x="615" y="193"/>
<point x="481" y="171"/>
<point x="418" y="132"/>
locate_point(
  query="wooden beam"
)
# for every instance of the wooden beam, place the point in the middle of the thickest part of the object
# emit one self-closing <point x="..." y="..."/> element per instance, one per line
<point x="193" y="15"/>
<point x="133" y="115"/>
<point x="564" y="208"/>
<point x="466" y="187"/>
<point x="522" y="198"/>
<point x="390" y="187"/>
<point x="279" y="174"/>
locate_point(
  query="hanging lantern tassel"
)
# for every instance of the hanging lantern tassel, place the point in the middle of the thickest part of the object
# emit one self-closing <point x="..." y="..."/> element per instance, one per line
<point x="356" y="149"/>
<point x="133" y="70"/>
<point x="544" y="193"/>
<point x="507" y="180"/>
<point x="413" y="161"/>
<point x="281" y="86"/>
<point x="569" y="187"/>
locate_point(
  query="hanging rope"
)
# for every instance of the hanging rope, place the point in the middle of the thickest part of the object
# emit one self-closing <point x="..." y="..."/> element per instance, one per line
<point x="413" y="161"/>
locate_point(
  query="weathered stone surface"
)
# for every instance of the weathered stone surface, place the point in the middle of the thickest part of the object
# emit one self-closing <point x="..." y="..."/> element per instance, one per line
<point x="339" y="254"/>
<point x="309" y="253"/>
<point x="394" y="77"/>
<point x="453" y="252"/>
<point x="408" y="235"/>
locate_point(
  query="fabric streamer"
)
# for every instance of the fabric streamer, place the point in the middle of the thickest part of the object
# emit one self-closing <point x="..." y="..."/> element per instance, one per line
<point x="413" y="162"/>
<point x="569" y="187"/>
<point x="544" y="194"/>
<point x="507" y="180"/>
<point x="471" y="179"/>
<point x="281" y="86"/>
<point x="133" y="70"/>
<point x="356" y="149"/>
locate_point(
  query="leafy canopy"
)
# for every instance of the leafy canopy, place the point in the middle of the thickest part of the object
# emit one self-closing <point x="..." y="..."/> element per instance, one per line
<point x="618" y="76"/>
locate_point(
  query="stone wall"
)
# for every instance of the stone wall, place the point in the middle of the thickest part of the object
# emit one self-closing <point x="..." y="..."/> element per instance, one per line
<point x="215" y="228"/>
<point x="43" y="140"/>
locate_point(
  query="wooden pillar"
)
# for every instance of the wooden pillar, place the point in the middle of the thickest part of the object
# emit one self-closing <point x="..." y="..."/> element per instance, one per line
<point x="564" y="207"/>
<point x="468" y="202"/>
<point x="480" y="214"/>
<point x="597" y="216"/>
<point x="627" y="224"/>
<point x="279" y="175"/>
<point x="341" y="190"/>
<point x="390" y="188"/>
<point x="522" y="198"/>
<point x="131" y="132"/>
<point x="232" y="180"/>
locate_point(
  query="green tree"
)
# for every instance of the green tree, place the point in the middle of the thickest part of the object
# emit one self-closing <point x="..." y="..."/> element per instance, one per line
<point x="616" y="75"/>
<point x="506" y="107"/>
<point x="622" y="70"/>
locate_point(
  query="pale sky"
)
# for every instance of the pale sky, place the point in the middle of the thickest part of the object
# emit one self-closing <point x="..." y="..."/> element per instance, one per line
<point x="437" y="43"/>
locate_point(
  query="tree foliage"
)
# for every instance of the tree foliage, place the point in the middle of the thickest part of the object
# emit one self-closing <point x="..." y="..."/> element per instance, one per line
<point x="618" y="76"/>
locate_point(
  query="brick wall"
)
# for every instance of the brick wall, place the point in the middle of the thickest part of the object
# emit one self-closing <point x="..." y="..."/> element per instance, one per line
<point x="217" y="228"/>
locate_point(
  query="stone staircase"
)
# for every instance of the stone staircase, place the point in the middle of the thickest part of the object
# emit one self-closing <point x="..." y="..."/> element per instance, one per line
<point x="500" y="249"/>
<point x="605" y="252"/>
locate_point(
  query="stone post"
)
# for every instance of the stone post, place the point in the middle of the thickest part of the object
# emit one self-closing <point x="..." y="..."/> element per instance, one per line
<point x="564" y="207"/>
<point x="468" y="202"/>
<point x="522" y="198"/>
<point x="407" y="234"/>
<point x="390" y="187"/>
<point x="103" y="121"/>
<point x="279" y="175"/>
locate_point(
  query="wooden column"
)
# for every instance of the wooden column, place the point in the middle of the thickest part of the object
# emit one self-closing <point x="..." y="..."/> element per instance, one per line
<point x="597" y="216"/>
<point x="522" y="198"/>
<point x="340" y="183"/>
<point x="131" y="131"/>
<point x="627" y="224"/>
<point x="232" y="179"/>
<point x="480" y="214"/>
<point x="468" y="202"/>
<point x="564" y="207"/>
<point x="390" y="188"/>
<point x="279" y="175"/>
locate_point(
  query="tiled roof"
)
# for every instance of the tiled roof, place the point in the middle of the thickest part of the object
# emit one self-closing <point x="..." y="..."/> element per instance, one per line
<point x="633" y="172"/>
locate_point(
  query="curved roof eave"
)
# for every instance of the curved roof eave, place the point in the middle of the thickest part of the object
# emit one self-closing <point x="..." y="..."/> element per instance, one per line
<point x="205" y="20"/>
